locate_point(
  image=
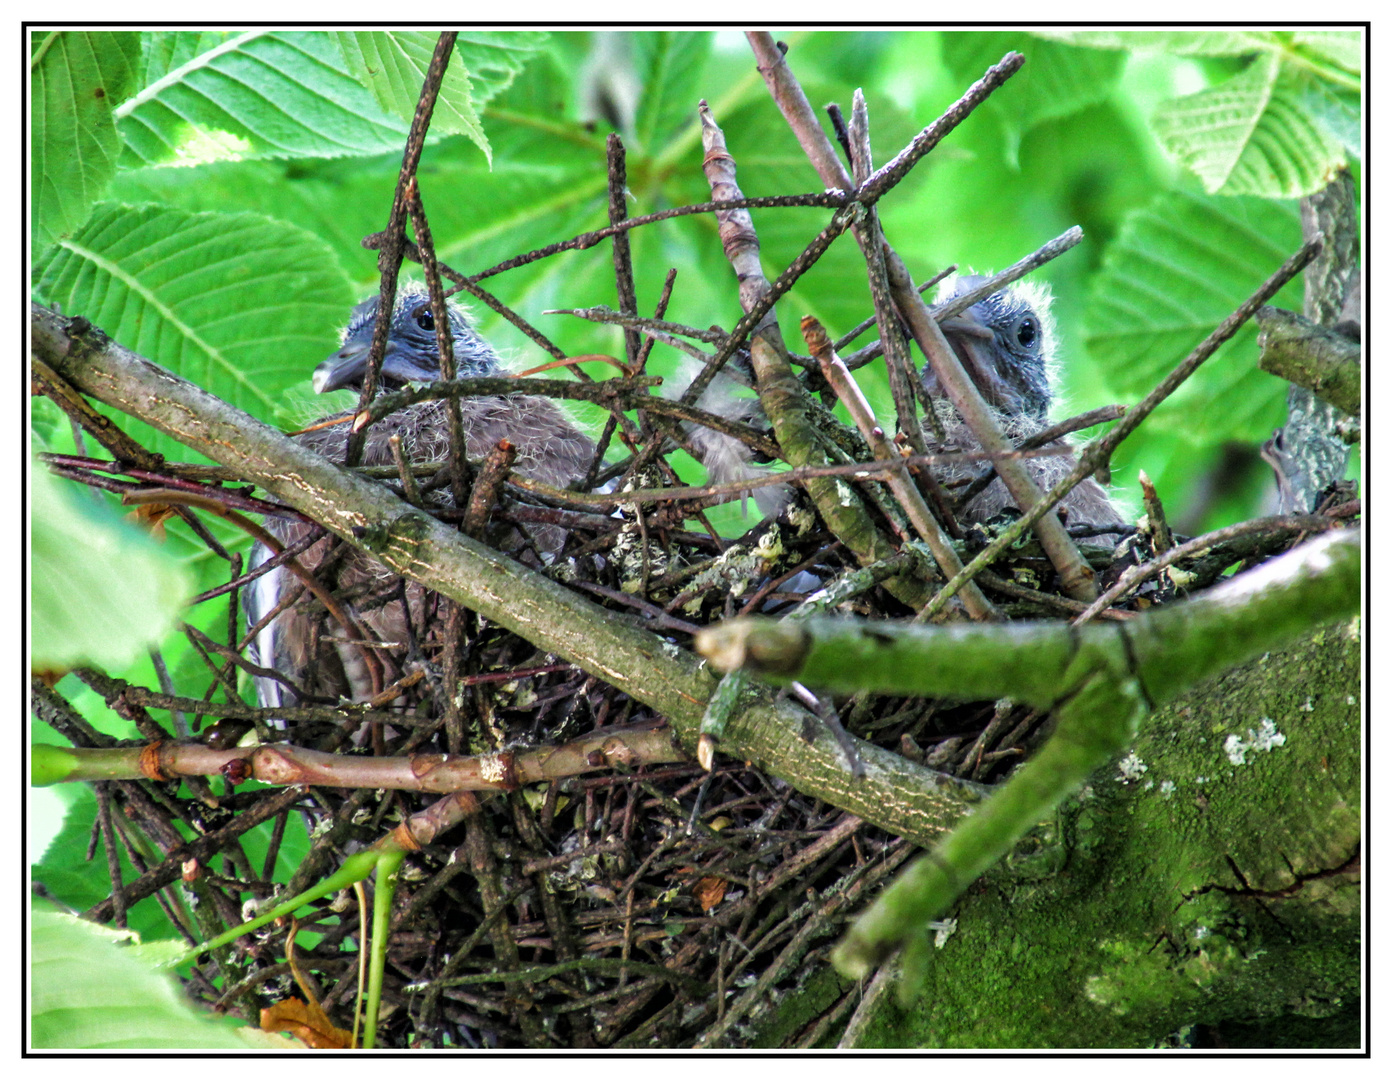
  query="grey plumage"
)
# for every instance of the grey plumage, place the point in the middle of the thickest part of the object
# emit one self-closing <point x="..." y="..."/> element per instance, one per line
<point x="550" y="448"/>
<point x="1007" y="343"/>
<point x="728" y="460"/>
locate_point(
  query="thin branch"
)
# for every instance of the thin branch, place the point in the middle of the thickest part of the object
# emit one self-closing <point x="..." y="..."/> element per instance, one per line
<point x="590" y="239"/>
<point x="996" y="282"/>
<point x="48" y="382"/>
<point x="389" y="258"/>
<point x="1098" y="453"/>
<point x="283" y="764"/>
<point x="605" y="393"/>
<point x="860" y="470"/>
<point x="1284" y="523"/>
<point x="234" y="499"/>
<point x="875" y="349"/>
<point x="623" y="259"/>
<point x="926" y="140"/>
<point x="760" y="306"/>
<point x="899" y="480"/>
<point x="1061" y="604"/>
<point x="1052" y="433"/>
<point x="444" y="343"/>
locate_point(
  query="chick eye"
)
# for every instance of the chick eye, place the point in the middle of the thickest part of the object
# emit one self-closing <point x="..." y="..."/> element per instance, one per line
<point x="424" y="319"/>
<point x="1026" y="332"/>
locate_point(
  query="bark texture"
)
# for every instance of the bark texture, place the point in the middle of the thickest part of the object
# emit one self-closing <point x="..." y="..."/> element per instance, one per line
<point x="1208" y="881"/>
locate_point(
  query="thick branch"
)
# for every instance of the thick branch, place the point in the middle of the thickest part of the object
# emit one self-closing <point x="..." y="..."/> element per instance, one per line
<point x="1101" y="682"/>
<point x="1170" y="648"/>
<point x="1315" y="357"/>
<point x="1307" y="452"/>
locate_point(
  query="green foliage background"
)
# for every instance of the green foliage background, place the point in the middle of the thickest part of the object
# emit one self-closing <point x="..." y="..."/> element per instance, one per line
<point x="201" y="196"/>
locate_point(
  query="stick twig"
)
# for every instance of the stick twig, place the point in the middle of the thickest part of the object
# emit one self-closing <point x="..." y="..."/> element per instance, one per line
<point x="1137" y="574"/>
<point x="389" y="258"/>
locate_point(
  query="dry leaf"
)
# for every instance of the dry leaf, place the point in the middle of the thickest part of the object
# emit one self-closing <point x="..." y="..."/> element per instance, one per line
<point x="152" y="517"/>
<point x="709" y="891"/>
<point x="306" y="1023"/>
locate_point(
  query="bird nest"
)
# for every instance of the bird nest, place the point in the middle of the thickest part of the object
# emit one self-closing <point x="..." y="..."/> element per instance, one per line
<point x="652" y="904"/>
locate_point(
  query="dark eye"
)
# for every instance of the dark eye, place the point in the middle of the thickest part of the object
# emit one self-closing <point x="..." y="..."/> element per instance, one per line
<point x="1026" y="332"/>
<point x="424" y="319"/>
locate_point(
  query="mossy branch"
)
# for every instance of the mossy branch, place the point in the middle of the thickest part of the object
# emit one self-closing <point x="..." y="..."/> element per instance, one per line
<point x="1100" y="681"/>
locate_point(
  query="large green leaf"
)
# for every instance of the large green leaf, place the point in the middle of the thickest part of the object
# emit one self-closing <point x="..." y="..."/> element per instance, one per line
<point x="102" y="592"/>
<point x="1177" y="42"/>
<point x="393" y="66"/>
<point x="78" y="79"/>
<point x="253" y="94"/>
<point x="1253" y="135"/>
<point x="1057" y="79"/>
<point x="669" y="66"/>
<point x="239" y="303"/>
<point x="1177" y="269"/>
<point x="1280" y="127"/>
<point x="1341" y="48"/>
<point x="90" y="993"/>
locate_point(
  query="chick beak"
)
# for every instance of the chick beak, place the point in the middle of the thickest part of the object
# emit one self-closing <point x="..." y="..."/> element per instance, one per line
<point x="348" y="368"/>
<point x="976" y="346"/>
<point x="344" y="368"/>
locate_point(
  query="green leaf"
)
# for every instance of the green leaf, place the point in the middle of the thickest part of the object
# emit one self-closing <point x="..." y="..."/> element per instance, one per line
<point x="253" y="94"/>
<point x="1341" y="47"/>
<point x="90" y="993"/>
<point x="168" y="51"/>
<point x="1339" y="113"/>
<point x="242" y="305"/>
<point x="393" y="65"/>
<point x="496" y="57"/>
<point x="1177" y="269"/>
<point x="78" y="78"/>
<point x="1057" y="79"/>
<point x="669" y="66"/>
<point x="483" y="64"/>
<point x="66" y="874"/>
<point x="1176" y="42"/>
<point x="102" y="591"/>
<point x="1252" y="135"/>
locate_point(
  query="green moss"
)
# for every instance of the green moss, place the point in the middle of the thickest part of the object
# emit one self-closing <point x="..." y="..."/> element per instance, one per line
<point x="1195" y="892"/>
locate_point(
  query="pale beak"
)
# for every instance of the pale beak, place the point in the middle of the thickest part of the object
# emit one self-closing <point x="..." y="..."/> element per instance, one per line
<point x="348" y="367"/>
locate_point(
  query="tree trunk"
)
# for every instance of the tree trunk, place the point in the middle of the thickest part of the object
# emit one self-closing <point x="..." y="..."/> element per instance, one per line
<point x="1209" y="878"/>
